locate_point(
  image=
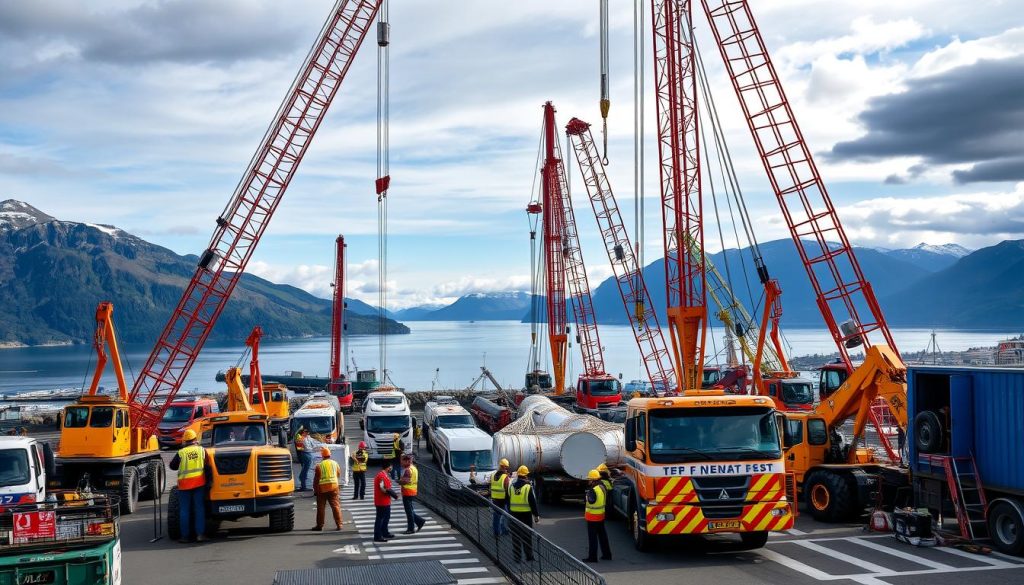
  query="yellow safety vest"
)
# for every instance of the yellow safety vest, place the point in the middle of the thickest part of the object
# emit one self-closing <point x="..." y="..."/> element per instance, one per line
<point x="394" y="448"/>
<point x="607" y="483"/>
<point x="360" y="461"/>
<point x="519" y="499"/>
<point x="595" y="511"/>
<point x="329" y="470"/>
<point x="410" y="488"/>
<point x="300" y="443"/>
<point x="498" y="486"/>
<point x="192" y="462"/>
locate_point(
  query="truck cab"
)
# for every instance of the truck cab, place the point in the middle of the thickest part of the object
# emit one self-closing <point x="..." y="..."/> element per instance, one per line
<point x="598" y="392"/>
<point x="538" y="380"/>
<point x="342" y="390"/>
<point x="322" y="417"/>
<point x="181" y="415"/>
<point x="789" y="392"/>
<point x="273" y="402"/>
<point x="24" y="466"/>
<point x="438" y="417"/>
<point x="385" y="413"/>
<point x="458" y="449"/>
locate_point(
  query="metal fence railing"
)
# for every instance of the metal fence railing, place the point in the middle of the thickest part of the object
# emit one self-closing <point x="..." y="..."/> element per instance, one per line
<point x="84" y="521"/>
<point x="472" y="514"/>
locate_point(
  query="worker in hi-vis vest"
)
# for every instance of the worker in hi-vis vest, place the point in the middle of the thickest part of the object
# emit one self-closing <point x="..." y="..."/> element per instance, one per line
<point x="190" y="462"/>
<point x="522" y="505"/>
<point x="499" y="496"/>
<point x="302" y="448"/>
<point x="594" y="515"/>
<point x="410" y="487"/>
<point x="359" y="460"/>
<point x="606" y="478"/>
<point x="326" y="480"/>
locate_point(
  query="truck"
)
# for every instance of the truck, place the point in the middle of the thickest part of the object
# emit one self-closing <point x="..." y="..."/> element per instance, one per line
<point x="964" y="459"/>
<point x="456" y="449"/>
<point x="385" y="412"/>
<point x="322" y="416"/>
<point x="73" y="539"/>
<point x="490" y="416"/>
<point x="702" y="463"/>
<point x="440" y="414"/>
<point x="25" y="464"/>
<point x="182" y="415"/>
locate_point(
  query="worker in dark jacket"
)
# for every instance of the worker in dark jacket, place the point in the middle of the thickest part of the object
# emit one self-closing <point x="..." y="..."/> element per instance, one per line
<point x="606" y="478"/>
<point x="522" y="505"/>
<point x="594" y="515"/>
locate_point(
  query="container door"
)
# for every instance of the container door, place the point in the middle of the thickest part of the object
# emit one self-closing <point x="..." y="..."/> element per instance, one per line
<point x="961" y="414"/>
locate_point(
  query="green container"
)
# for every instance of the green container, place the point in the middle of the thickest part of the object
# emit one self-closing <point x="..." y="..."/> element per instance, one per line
<point x="95" y="565"/>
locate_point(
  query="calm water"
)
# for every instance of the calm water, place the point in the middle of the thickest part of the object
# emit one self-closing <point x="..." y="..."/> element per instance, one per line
<point x="458" y="349"/>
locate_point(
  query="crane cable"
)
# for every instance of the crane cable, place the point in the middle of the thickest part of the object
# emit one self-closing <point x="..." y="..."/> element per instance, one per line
<point x="638" y="144"/>
<point x="383" y="180"/>
<point x="536" y="264"/>
<point x="605" y="90"/>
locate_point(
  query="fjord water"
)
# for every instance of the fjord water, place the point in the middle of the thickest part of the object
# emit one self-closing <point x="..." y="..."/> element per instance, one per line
<point x="457" y="348"/>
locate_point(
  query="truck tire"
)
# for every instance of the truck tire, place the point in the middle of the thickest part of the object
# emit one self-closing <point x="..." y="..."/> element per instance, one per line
<point x="828" y="496"/>
<point x="157" y="484"/>
<point x="212" y="527"/>
<point x="173" y="515"/>
<point x="282" y="520"/>
<point x="641" y="540"/>
<point x="129" y="491"/>
<point x="928" y="432"/>
<point x="1006" y="526"/>
<point x="752" y="540"/>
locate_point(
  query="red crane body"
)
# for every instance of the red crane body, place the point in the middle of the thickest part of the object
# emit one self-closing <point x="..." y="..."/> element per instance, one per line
<point x="243" y="221"/>
<point x="255" y="378"/>
<point x="675" y="82"/>
<point x="628" y="275"/>
<point x="554" y="258"/>
<point x="338" y="385"/>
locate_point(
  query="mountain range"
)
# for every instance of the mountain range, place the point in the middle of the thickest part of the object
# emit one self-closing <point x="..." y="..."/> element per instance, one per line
<point x="53" y="273"/>
<point x="924" y="286"/>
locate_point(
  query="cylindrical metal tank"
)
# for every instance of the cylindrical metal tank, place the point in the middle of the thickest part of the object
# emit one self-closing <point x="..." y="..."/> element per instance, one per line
<point x="575" y="453"/>
<point x="546" y="413"/>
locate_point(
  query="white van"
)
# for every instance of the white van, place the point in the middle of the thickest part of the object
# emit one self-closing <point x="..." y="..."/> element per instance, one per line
<point x="24" y="464"/>
<point x="322" y="416"/>
<point x="444" y="416"/>
<point x="456" y="449"/>
<point x="386" y="412"/>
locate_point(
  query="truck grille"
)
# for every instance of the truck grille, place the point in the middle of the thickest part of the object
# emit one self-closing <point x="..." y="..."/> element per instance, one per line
<point x="711" y="490"/>
<point x="717" y="512"/>
<point x="231" y="463"/>
<point x="274" y="468"/>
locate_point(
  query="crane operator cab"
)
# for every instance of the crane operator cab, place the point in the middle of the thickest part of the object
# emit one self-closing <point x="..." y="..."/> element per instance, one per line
<point x="99" y="426"/>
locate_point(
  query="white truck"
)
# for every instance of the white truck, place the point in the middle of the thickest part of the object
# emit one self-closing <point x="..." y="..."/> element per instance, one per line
<point x="25" y="464"/>
<point x="462" y="451"/>
<point x="386" y="412"/>
<point x="444" y="414"/>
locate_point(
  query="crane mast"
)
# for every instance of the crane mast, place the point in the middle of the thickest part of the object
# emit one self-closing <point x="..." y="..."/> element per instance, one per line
<point x="247" y="214"/>
<point x="255" y="377"/>
<point x="338" y="309"/>
<point x="628" y="276"/>
<point x="552" y="228"/>
<point x="675" y="81"/>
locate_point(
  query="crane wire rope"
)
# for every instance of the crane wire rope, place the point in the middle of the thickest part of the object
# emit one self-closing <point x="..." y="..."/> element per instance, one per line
<point x="536" y="264"/>
<point x="383" y="181"/>
<point x="638" y="146"/>
<point x="605" y="84"/>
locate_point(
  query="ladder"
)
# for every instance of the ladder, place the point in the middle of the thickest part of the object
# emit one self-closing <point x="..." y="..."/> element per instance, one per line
<point x="968" y="496"/>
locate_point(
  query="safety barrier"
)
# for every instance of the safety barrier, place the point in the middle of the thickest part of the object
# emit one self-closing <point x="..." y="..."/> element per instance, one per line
<point x="526" y="557"/>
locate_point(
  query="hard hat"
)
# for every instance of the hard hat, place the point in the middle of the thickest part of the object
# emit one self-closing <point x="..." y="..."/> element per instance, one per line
<point x="362" y="444"/>
<point x="602" y="467"/>
<point x="325" y="452"/>
<point x="503" y="463"/>
<point x="188" y="435"/>
<point x="397" y="436"/>
<point x="523" y="470"/>
<point x="593" y="474"/>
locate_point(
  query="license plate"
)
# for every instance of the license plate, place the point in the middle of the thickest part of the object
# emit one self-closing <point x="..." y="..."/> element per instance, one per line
<point x="238" y="508"/>
<point x="37" y="577"/>
<point x="724" y="525"/>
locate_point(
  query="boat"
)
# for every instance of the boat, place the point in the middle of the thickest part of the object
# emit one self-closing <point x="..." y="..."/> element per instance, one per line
<point x="54" y="395"/>
<point x="366" y="381"/>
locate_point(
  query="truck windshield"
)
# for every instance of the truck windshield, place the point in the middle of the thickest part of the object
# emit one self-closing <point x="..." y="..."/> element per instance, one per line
<point x="461" y="460"/>
<point x="797" y="392"/>
<point x="315" y="424"/>
<point x="387" y="424"/>
<point x="455" y="421"/>
<point x="177" y="414"/>
<point x="704" y="434"/>
<point x="14" y="467"/>
<point x="239" y="434"/>
<point x="711" y="377"/>
<point x="605" y="387"/>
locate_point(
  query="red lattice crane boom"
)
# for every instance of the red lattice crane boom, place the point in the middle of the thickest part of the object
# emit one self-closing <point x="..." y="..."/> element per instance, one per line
<point x="338" y="385"/>
<point x="675" y="82"/>
<point x="241" y="224"/>
<point x="628" y="275"/>
<point x="554" y="258"/>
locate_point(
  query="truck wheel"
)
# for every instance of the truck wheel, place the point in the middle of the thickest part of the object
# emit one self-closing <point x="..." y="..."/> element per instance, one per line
<point x="1006" y="526"/>
<point x="641" y="540"/>
<point x="157" y="481"/>
<point x="212" y="527"/>
<point x="753" y="540"/>
<point x="828" y="496"/>
<point x="129" y="491"/>
<point x="282" y="520"/>
<point x="173" y="515"/>
<point x="928" y="432"/>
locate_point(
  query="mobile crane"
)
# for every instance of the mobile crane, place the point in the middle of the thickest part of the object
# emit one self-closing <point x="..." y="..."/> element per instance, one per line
<point x="338" y="385"/>
<point x="271" y="398"/>
<point x="837" y="479"/>
<point x="124" y="457"/>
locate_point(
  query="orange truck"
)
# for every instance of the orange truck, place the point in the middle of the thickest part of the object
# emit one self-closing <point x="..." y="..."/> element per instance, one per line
<point x="703" y="463"/>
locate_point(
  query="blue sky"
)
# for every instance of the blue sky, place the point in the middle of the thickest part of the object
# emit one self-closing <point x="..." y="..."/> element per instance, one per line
<point x="143" y="114"/>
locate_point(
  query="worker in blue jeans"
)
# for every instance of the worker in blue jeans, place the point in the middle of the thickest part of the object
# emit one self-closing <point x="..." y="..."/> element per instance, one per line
<point x="190" y="462"/>
<point x="499" y="497"/>
<point x="305" y="457"/>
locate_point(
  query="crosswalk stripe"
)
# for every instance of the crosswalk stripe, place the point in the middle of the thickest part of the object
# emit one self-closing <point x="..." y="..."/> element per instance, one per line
<point x="901" y="554"/>
<point x="481" y="580"/>
<point x="459" y="561"/>
<point x="794" y="564"/>
<point x="979" y="558"/>
<point x="432" y="553"/>
<point x="463" y="570"/>
<point x="869" y="567"/>
<point x="429" y="539"/>
<point x="387" y="548"/>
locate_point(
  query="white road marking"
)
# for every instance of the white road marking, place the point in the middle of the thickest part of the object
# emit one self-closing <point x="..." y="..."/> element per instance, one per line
<point x="459" y="561"/>
<point x="796" y="532"/>
<point x="900" y="554"/>
<point x="463" y="570"/>
<point x="870" y="567"/>
<point x="481" y="580"/>
<point x="348" y="549"/>
<point x="430" y="539"/>
<point x="424" y="554"/>
<point x="979" y="558"/>
<point x="389" y="548"/>
<point x="795" y="565"/>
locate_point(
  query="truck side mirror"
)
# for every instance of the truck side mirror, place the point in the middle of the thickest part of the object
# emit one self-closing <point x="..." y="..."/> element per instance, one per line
<point x="631" y="434"/>
<point x="49" y="463"/>
<point x="282" y="439"/>
<point x="361" y="425"/>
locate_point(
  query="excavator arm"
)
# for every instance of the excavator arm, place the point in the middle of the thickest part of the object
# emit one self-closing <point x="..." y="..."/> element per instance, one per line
<point x="106" y="338"/>
<point x="238" y="400"/>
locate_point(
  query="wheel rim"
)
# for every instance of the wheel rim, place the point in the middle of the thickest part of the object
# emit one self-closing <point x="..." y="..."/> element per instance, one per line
<point x="820" y="497"/>
<point x="1006" y="528"/>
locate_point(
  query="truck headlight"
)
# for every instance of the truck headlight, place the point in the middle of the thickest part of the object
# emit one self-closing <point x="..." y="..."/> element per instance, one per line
<point x="665" y="516"/>
<point x="780" y="511"/>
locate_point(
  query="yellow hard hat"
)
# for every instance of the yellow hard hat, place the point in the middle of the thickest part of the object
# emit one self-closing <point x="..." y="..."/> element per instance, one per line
<point x="594" y="474"/>
<point x="503" y="463"/>
<point x="602" y="467"/>
<point x="188" y="435"/>
<point x="325" y="452"/>
<point x="523" y="470"/>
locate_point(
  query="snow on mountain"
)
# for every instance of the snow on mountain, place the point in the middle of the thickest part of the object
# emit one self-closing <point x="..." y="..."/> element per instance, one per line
<point x="955" y="250"/>
<point x="15" y="215"/>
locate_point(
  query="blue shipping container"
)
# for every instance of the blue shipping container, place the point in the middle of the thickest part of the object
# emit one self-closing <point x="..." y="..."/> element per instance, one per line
<point x="984" y="409"/>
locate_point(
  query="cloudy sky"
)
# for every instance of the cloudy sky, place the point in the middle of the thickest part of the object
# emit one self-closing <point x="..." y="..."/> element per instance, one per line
<point x="144" y="114"/>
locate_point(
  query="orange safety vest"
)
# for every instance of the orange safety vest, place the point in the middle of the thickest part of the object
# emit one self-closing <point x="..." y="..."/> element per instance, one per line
<point x="411" y="488"/>
<point x="191" y="463"/>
